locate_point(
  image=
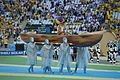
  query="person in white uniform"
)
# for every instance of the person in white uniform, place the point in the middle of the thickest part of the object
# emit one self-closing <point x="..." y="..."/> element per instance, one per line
<point x="31" y="55"/>
<point x="111" y="52"/>
<point x="82" y="58"/>
<point x="98" y="52"/>
<point x="64" y="56"/>
<point x="91" y="51"/>
<point x="47" y="52"/>
<point x="115" y="51"/>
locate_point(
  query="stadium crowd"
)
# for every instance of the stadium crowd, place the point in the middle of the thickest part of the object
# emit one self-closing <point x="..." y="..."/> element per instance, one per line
<point x="72" y="16"/>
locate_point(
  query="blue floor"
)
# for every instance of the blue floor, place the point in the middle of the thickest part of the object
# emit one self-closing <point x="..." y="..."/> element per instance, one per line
<point x="90" y="73"/>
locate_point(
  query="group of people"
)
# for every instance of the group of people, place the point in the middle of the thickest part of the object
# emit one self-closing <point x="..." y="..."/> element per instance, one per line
<point x="64" y="58"/>
<point x="8" y="36"/>
<point x="112" y="51"/>
<point x="95" y="49"/>
<point x="91" y="14"/>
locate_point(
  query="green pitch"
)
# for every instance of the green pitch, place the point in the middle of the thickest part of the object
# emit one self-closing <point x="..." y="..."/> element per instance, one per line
<point x="23" y="61"/>
<point x="32" y="78"/>
<point x="20" y="60"/>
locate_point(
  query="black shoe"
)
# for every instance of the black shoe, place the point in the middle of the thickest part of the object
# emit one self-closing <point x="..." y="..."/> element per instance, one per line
<point x="98" y="62"/>
<point x="114" y="62"/>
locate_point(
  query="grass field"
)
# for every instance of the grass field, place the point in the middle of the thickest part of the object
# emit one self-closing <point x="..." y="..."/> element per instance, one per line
<point x="22" y="60"/>
<point x="32" y="78"/>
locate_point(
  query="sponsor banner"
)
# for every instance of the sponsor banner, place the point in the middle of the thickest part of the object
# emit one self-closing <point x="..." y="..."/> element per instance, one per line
<point x="10" y="53"/>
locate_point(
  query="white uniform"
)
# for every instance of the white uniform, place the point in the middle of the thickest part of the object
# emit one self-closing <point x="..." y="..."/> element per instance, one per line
<point x="91" y="53"/>
<point x="64" y="55"/>
<point x="31" y="55"/>
<point x="82" y="57"/>
<point x="115" y="52"/>
<point x="98" y="52"/>
<point x="47" y="55"/>
<point x="111" y="53"/>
